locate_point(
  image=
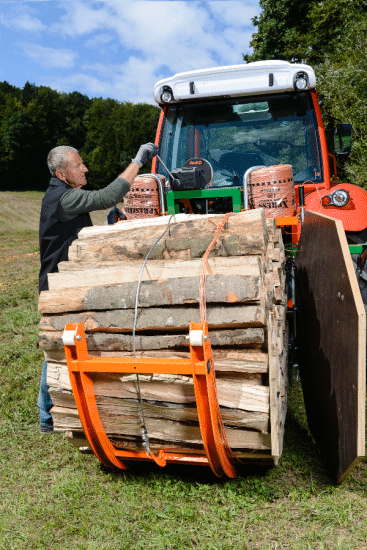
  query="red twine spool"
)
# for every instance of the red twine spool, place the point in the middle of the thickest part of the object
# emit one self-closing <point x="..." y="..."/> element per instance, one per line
<point x="142" y="201"/>
<point x="272" y="188"/>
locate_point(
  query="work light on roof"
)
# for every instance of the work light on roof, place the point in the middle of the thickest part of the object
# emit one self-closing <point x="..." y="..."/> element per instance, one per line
<point x="166" y="94"/>
<point x="300" y="81"/>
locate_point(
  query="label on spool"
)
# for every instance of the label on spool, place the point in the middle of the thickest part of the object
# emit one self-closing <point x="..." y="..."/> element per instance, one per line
<point x="272" y="188"/>
<point x="142" y="201"/>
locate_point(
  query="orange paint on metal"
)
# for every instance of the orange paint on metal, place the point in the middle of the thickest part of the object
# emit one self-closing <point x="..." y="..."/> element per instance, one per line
<point x="287" y="220"/>
<point x="164" y="113"/>
<point x="200" y="365"/>
<point x="324" y="151"/>
<point x="353" y="215"/>
<point x="232" y="297"/>
<point x="186" y="204"/>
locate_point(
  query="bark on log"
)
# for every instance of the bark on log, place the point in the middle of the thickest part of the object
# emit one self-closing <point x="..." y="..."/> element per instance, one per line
<point x="253" y="337"/>
<point x="241" y="235"/>
<point x="110" y="273"/>
<point x="181" y="291"/>
<point x="167" y="431"/>
<point x="176" y="319"/>
<point x="245" y="295"/>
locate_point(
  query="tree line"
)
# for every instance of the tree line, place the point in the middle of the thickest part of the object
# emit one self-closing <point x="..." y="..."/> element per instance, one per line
<point x="35" y="119"/>
<point x="331" y="36"/>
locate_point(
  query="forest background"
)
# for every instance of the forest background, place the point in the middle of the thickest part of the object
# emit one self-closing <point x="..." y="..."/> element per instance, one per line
<point x="330" y="35"/>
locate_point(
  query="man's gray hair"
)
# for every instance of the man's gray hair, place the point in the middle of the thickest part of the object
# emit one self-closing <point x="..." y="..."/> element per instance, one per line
<point x="57" y="158"/>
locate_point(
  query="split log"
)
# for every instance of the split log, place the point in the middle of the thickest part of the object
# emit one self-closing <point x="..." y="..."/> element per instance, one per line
<point x="245" y="295"/>
<point x="73" y="274"/>
<point x="174" y="318"/>
<point x="166" y="430"/>
<point x="109" y="407"/>
<point x="233" y="288"/>
<point x="186" y="240"/>
<point x="110" y="341"/>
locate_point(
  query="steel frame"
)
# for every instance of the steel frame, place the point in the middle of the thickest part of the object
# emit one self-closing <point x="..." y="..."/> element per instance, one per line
<point x="81" y="368"/>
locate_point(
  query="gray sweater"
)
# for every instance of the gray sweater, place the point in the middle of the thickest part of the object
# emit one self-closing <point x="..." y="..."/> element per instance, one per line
<point x="79" y="201"/>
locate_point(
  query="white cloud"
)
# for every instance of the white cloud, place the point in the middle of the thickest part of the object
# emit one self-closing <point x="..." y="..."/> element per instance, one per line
<point x="179" y="34"/>
<point x="78" y="81"/>
<point x="152" y="39"/>
<point x="234" y="13"/>
<point x="99" y="40"/>
<point x="23" y="22"/>
<point x="50" y="57"/>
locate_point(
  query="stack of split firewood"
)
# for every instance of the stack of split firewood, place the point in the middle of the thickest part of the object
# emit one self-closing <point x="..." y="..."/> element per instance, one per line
<point x="245" y="301"/>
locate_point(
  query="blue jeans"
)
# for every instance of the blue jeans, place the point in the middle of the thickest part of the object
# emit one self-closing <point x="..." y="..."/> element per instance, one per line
<point x="44" y="400"/>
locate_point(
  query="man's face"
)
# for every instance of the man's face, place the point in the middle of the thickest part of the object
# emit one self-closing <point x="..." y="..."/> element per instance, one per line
<point x="75" y="171"/>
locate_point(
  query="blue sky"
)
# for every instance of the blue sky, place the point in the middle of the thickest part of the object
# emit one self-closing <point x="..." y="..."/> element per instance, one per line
<point x="119" y="48"/>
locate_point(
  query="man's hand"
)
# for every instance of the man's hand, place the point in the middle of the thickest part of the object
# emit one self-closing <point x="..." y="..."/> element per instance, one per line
<point x="114" y="215"/>
<point x="145" y="154"/>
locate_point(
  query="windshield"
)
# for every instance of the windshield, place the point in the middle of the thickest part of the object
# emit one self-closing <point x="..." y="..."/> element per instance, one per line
<point x="234" y="135"/>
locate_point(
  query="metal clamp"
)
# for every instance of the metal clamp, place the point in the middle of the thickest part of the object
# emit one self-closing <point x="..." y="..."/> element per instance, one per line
<point x="81" y="368"/>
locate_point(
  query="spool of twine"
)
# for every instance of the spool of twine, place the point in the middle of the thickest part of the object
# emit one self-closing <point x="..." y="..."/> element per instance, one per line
<point x="142" y="201"/>
<point x="272" y="188"/>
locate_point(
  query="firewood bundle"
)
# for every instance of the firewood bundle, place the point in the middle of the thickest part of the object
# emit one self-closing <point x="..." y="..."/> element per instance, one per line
<point x="245" y="304"/>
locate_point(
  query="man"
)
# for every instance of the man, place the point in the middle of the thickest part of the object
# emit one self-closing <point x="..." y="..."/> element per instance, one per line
<point x="65" y="211"/>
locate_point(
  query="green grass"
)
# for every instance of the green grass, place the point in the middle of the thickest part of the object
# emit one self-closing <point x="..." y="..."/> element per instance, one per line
<point x="52" y="496"/>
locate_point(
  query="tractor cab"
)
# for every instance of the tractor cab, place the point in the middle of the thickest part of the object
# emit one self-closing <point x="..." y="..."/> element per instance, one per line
<point x="242" y="118"/>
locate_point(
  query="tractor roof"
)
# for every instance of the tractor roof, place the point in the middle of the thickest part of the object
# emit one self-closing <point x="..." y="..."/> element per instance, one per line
<point x="257" y="78"/>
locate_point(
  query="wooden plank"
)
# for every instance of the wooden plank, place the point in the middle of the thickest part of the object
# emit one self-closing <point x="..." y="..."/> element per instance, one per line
<point x="100" y="341"/>
<point x="244" y="233"/>
<point x="87" y="275"/>
<point x="78" y="439"/>
<point x="219" y="289"/>
<point x="249" y="364"/>
<point x="166" y="430"/>
<point x="115" y="407"/>
<point x="240" y="394"/>
<point x="118" y="320"/>
<point x="332" y="331"/>
<point x="210" y="220"/>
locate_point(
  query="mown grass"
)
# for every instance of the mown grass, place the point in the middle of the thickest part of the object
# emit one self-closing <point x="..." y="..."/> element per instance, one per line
<point x="52" y="496"/>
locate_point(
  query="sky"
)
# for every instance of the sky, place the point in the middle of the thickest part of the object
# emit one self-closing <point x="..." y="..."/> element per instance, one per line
<point x="119" y="48"/>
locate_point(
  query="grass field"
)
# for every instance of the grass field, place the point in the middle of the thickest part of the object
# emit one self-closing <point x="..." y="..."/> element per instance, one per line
<point x="52" y="496"/>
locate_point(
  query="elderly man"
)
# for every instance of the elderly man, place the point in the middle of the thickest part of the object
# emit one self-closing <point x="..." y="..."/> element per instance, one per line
<point x="65" y="211"/>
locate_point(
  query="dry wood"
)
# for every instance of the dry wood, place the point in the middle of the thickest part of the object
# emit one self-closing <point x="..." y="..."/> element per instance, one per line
<point x="231" y="288"/>
<point x="278" y="378"/>
<point x="234" y="393"/>
<point x="254" y="337"/>
<point x="120" y="408"/>
<point x="86" y="275"/>
<point x="159" y="318"/>
<point x="245" y="281"/>
<point x="244" y="233"/>
<point x="78" y="439"/>
<point x="164" y="430"/>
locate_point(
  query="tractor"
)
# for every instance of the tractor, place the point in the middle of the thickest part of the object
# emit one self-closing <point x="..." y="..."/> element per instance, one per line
<point x="251" y="136"/>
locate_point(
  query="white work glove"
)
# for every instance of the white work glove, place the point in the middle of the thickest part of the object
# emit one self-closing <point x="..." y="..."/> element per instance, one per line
<point x="145" y="154"/>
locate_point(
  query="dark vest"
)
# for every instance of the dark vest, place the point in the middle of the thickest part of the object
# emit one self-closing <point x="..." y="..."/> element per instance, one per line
<point x="55" y="237"/>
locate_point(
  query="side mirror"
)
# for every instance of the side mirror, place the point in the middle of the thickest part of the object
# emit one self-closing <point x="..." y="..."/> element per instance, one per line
<point x="343" y="139"/>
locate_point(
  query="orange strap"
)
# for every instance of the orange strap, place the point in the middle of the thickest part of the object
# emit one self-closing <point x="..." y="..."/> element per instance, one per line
<point x="212" y="389"/>
<point x="204" y="269"/>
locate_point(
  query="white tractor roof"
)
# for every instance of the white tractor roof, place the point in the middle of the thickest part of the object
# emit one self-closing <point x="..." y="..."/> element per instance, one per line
<point x="234" y="80"/>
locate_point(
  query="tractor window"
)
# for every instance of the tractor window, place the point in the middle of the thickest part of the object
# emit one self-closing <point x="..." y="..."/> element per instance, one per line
<point x="236" y="135"/>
